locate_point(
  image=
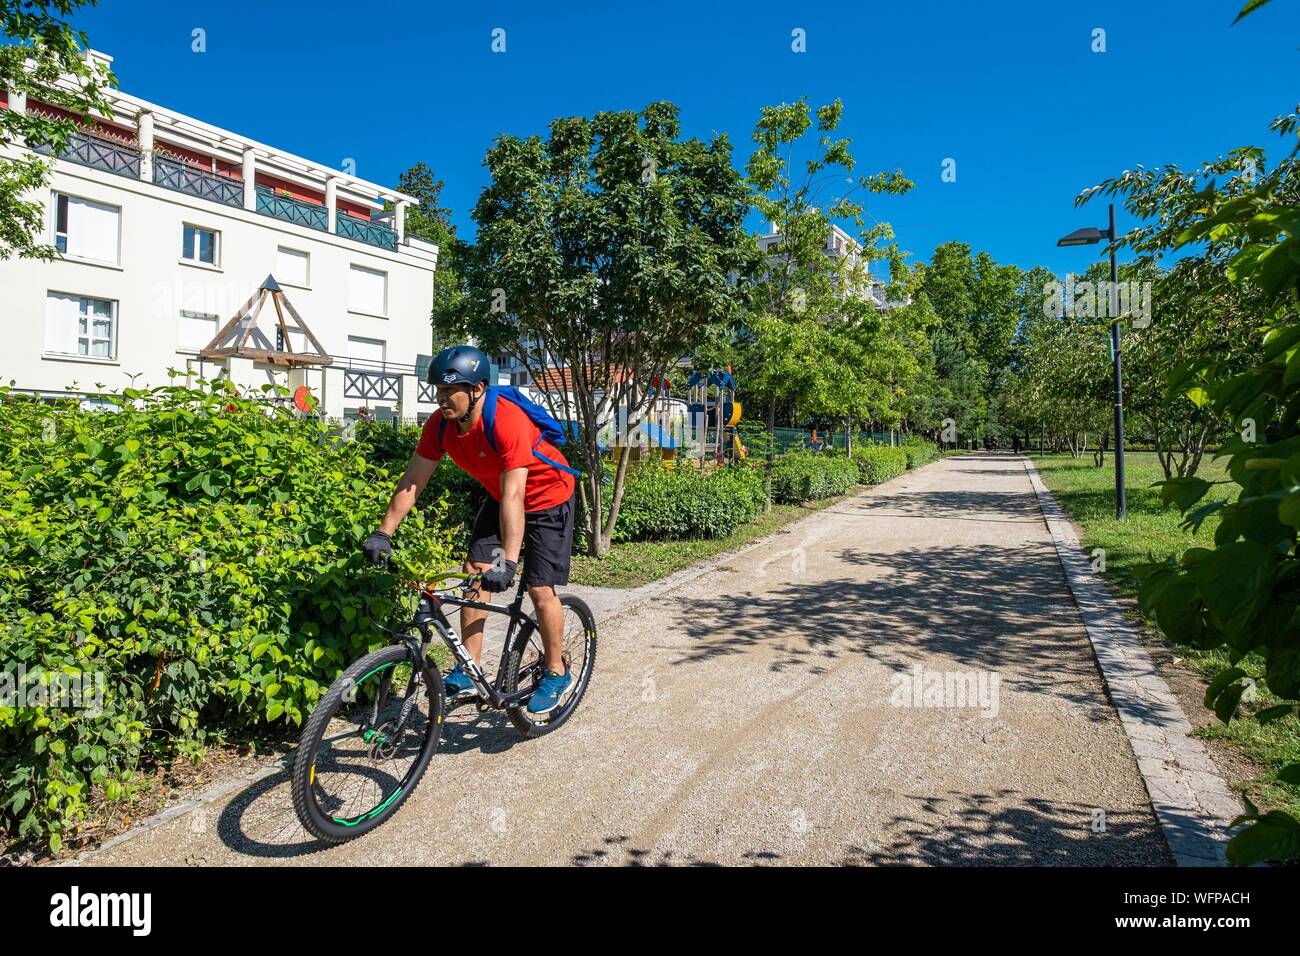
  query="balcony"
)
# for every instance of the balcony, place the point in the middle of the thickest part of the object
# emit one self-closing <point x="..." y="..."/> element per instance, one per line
<point x="375" y="386"/>
<point x="185" y="178"/>
<point x="292" y="210"/>
<point x="99" y="152"/>
<point x="363" y="230"/>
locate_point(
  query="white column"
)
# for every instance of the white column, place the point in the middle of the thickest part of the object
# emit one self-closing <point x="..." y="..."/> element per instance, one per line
<point x="399" y="220"/>
<point x="331" y="201"/>
<point x="144" y="132"/>
<point x="18" y="102"/>
<point x="250" y="179"/>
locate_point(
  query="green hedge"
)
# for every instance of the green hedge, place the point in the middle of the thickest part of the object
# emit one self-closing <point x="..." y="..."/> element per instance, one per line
<point x="805" y="476"/>
<point x="391" y="447"/>
<point x="919" y="452"/>
<point x="193" y="553"/>
<point x="877" y="463"/>
<point x="680" y="502"/>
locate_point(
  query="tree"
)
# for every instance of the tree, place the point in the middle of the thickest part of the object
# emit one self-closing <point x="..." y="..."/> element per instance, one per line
<point x="611" y="247"/>
<point x="430" y="220"/>
<point x="808" y="333"/>
<point x="42" y="49"/>
<point x="1243" y="593"/>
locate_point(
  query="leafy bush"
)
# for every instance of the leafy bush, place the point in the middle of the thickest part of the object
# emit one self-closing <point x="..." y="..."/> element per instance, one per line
<point x="878" y="463"/>
<point x="391" y="447"/>
<point x="805" y="476"/>
<point x="919" y="451"/>
<point x="194" y="554"/>
<point x="680" y="502"/>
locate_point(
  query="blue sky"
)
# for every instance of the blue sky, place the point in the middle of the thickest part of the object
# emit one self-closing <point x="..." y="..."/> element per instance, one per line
<point x="1011" y="91"/>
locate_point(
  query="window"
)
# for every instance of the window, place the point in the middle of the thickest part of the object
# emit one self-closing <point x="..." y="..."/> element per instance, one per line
<point x="78" y="325"/>
<point x="199" y="244"/>
<point x="368" y="291"/>
<point x="85" y="229"/>
<point x="293" y="266"/>
<point x="368" y="350"/>
<point x="196" y="330"/>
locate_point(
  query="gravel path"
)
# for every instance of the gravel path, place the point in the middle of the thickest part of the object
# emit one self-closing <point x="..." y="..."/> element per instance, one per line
<point x="901" y="678"/>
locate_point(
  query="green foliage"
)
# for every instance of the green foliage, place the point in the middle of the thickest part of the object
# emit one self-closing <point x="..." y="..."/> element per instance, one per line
<point x="660" y="503"/>
<point x="431" y="221"/>
<point x="391" y="446"/>
<point x="42" y="48"/>
<point x="813" y="335"/>
<point x="878" y="463"/>
<point x="611" y="245"/>
<point x="194" y="550"/>
<point x="1243" y="594"/>
<point x="806" y="476"/>
<point x="918" y="452"/>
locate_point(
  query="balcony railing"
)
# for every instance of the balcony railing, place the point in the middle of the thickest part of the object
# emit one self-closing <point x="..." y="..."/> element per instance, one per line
<point x="100" y="152"/>
<point x="377" y="386"/>
<point x="198" y="182"/>
<point x="363" y="230"/>
<point x="292" y="210"/>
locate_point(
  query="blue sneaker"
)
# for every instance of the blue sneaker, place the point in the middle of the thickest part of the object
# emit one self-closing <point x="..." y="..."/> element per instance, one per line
<point x="547" y="696"/>
<point x="457" y="683"/>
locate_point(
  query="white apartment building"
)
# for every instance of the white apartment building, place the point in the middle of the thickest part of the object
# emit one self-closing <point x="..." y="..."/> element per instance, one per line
<point x="167" y="227"/>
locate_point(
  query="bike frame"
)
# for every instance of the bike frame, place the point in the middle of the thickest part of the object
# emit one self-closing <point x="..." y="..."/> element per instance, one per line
<point x="430" y="612"/>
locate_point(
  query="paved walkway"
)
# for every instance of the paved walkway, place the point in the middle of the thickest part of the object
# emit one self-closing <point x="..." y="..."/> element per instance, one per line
<point x="767" y="712"/>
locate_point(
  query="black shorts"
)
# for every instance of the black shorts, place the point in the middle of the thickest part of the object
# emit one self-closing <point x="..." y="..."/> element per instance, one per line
<point x="548" y="542"/>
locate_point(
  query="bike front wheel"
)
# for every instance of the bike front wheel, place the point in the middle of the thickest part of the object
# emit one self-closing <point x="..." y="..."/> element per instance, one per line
<point x="525" y="668"/>
<point x="367" y="744"/>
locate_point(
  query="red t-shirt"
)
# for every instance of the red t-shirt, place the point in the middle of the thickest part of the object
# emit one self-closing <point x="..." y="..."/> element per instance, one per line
<point x="516" y="435"/>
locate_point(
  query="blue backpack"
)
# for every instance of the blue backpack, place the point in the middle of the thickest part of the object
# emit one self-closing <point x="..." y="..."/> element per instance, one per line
<point x="550" y="429"/>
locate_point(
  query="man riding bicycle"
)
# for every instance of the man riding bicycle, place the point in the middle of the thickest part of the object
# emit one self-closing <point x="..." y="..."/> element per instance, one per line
<point x="530" y="506"/>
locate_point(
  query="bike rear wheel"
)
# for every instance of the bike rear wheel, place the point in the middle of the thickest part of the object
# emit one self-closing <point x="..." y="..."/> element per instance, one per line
<point x="367" y="744"/>
<point x="524" y="668"/>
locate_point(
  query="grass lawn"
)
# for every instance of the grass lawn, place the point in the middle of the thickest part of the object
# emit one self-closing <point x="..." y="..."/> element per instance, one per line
<point x="1152" y="531"/>
<point x="633" y="563"/>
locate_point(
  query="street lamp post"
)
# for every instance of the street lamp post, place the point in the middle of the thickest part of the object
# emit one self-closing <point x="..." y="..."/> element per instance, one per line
<point x="1086" y="237"/>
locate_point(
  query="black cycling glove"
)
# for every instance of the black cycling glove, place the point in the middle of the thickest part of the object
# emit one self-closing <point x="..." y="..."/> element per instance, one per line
<point x="377" y="547"/>
<point x="500" y="576"/>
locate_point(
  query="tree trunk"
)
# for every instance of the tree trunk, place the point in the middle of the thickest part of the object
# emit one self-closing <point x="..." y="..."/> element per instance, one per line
<point x="616" y="497"/>
<point x="1199" y="451"/>
<point x="593" y="509"/>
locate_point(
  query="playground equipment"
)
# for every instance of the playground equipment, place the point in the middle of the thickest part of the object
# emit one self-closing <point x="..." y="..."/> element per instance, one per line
<point x="714" y="411"/>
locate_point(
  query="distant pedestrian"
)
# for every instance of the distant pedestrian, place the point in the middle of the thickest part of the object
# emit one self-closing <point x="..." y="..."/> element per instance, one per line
<point x="1015" y="444"/>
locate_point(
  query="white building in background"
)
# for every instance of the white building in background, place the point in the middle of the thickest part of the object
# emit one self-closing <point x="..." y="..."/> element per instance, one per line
<point x="168" y="226"/>
<point x="847" y="251"/>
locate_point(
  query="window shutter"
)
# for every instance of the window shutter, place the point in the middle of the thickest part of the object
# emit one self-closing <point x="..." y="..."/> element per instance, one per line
<point x="61" y="315"/>
<point x="366" y="292"/>
<point x="291" y="266"/>
<point x="196" y="329"/>
<point x="92" y="230"/>
<point x="371" y="349"/>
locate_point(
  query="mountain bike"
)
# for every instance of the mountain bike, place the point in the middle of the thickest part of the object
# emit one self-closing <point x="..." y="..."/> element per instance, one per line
<point x="370" y="738"/>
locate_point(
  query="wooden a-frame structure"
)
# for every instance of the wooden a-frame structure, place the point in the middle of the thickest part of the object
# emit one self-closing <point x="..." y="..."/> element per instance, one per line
<point x="243" y="324"/>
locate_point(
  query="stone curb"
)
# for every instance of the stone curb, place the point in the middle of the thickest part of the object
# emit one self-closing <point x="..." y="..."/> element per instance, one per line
<point x="1191" y="800"/>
